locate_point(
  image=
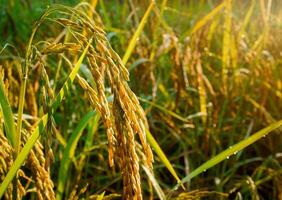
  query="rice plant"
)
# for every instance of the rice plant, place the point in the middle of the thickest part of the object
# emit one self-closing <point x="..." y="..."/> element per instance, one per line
<point x="140" y="99"/>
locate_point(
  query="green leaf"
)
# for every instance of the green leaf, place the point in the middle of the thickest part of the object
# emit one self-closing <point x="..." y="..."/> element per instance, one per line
<point x="230" y="151"/>
<point x="203" y="21"/>
<point x="137" y="33"/>
<point x="70" y="151"/>
<point x="8" y="115"/>
<point x="162" y="156"/>
<point x="101" y="196"/>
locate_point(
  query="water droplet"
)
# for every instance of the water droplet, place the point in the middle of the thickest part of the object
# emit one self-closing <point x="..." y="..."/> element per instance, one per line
<point x="227" y="157"/>
<point x="217" y="180"/>
<point x="235" y="152"/>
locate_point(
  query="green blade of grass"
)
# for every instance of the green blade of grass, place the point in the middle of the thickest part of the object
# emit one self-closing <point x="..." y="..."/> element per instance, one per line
<point x="162" y="156"/>
<point x="230" y="151"/>
<point x="105" y="13"/>
<point x="69" y="153"/>
<point x="247" y="18"/>
<point x="204" y="20"/>
<point x="23" y="154"/>
<point x="92" y="129"/>
<point x="101" y="196"/>
<point x="40" y="127"/>
<point x="7" y="115"/>
<point x="137" y="33"/>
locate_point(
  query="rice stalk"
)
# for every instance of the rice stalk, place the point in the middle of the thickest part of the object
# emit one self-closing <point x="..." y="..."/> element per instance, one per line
<point x="137" y="33"/>
<point x="226" y="45"/>
<point x="202" y="92"/>
<point x="123" y="119"/>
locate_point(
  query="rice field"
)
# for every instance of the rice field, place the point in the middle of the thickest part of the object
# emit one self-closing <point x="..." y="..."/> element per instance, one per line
<point x="130" y="99"/>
